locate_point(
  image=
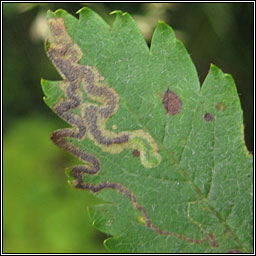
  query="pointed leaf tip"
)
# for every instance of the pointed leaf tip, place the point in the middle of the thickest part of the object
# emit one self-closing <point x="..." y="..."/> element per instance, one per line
<point x="214" y="69"/>
<point x="44" y="83"/>
<point x="212" y="65"/>
<point x="84" y="9"/>
<point x="60" y="11"/>
<point x="49" y="12"/>
<point x="161" y="22"/>
<point x="164" y="26"/>
<point x="45" y="100"/>
<point x="46" y="45"/>
<point x="116" y="12"/>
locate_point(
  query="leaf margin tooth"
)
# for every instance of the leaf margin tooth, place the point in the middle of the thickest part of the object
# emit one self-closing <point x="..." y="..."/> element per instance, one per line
<point x="117" y="12"/>
<point x="83" y="9"/>
<point x="61" y="12"/>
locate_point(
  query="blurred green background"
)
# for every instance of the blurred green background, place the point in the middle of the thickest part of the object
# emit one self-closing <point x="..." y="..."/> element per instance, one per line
<point x="41" y="211"/>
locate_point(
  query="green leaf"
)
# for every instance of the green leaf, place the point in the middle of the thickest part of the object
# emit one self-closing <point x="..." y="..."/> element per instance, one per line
<point x="168" y="156"/>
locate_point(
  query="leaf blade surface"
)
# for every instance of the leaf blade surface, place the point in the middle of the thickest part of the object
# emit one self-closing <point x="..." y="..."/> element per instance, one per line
<point x="171" y="204"/>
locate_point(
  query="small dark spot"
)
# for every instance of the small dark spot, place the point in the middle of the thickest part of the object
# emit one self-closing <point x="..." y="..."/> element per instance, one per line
<point x="234" y="251"/>
<point x="136" y="153"/>
<point x="213" y="241"/>
<point x="171" y="102"/>
<point x="221" y="106"/>
<point x="208" y="117"/>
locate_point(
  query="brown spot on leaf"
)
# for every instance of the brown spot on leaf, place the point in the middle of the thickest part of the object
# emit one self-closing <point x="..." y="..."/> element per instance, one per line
<point x="221" y="106"/>
<point x="171" y="102"/>
<point x="208" y="117"/>
<point x="136" y="153"/>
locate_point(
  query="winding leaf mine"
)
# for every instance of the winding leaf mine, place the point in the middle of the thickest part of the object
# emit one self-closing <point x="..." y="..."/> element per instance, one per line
<point x="91" y="122"/>
<point x="65" y="55"/>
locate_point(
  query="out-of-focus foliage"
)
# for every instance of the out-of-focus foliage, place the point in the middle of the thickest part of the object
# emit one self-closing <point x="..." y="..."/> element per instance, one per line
<point x="37" y="212"/>
<point x="37" y="198"/>
<point x="38" y="216"/>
